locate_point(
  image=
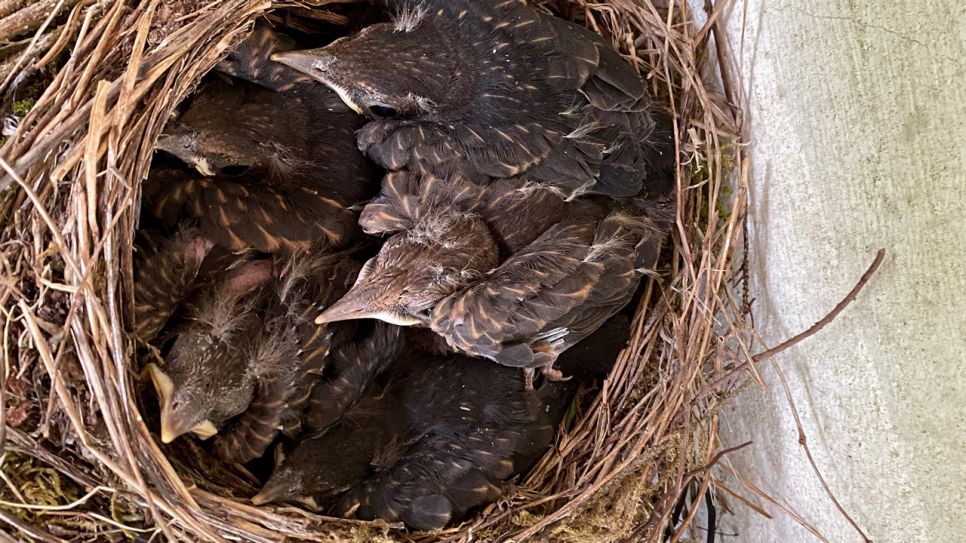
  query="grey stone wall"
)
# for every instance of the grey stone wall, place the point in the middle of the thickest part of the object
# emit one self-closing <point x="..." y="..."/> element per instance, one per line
<point x="856" y="111"/>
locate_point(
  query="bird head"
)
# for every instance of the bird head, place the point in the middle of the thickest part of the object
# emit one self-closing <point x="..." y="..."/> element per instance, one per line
<point x="210" y="371"/>
<point x="207" y="150"/>
<point x="249" y="60"/>
<point x="233" y="128"/>
<point x="294" y="479"/>
<point x="417" y="65"/>
<point x="203" y="384"/>
<point x="441" y="254"/>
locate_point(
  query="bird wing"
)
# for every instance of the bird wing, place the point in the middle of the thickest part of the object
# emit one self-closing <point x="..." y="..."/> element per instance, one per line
<point x="164" y="272"/>
<point x="395" y="207"/>
<point x="407" y="197"/>
<point x="517" y="300"/>
<point x="626" y="241"/>
<point x="552" y="101"/>
<point x="352" y="369"/>
<point x="242" y="213"/>
<point x="250" y="436"/>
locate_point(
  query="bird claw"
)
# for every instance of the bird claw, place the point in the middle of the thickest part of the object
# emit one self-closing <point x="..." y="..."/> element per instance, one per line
<point x="528" y="379"/>
<point x="553" y="374"/>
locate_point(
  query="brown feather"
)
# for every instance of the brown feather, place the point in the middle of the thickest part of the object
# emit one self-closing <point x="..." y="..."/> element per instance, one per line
<point x="491" y="89"/>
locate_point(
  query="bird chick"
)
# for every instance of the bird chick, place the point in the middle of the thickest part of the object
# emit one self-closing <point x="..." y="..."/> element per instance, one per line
<point x="492" y="89"/>
<point x="250" y="349"/>
<point x="428" y="440"/>
<point x="208" y="377"/>
<point x="434" y="438"/>
<point x="444" y="235"/>
<point x="564" y="269"/>
<point x="278" y="170"/>
<point x="555" y="292"/>
<point x="282" y="396"/>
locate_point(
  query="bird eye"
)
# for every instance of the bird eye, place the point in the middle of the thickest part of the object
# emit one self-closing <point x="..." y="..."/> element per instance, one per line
<point x="234" y="170"/>
<point x="381" y="111"/>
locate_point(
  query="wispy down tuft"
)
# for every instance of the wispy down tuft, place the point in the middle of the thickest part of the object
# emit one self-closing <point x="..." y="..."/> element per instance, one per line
<point x="409" y="15"/>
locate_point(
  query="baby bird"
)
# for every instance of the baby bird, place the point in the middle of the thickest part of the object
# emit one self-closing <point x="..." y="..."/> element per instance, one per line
<point x="210" y="357"/>
<point x="279" y="169"/>
<point x="434" y="438"/>
<point x="508" y="272"/>
<point x="250" y="349"/>
<point x="496" y="88"/>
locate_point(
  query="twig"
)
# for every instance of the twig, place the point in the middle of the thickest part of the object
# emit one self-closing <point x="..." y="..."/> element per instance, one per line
<point x="34" y="532"/>
<point x="718" y="485"/>
<point x="815" y="328"/>
<point x="784" y="508"/>
<point x="717" y="458"/>
<point x="80" y="501"/>
<point x="808" y="453"/>
<point x="798" y="338"/>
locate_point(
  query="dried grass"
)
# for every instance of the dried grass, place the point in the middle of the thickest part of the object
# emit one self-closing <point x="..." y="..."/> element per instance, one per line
<point x="84" y="465"/>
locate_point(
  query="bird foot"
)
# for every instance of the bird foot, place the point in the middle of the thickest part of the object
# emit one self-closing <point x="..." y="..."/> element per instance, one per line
<point x="528" y="378"/>
<point x="553" y="374"/>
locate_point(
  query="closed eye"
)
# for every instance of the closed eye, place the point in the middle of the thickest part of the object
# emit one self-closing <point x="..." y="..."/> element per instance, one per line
<point x="381" y="111"/>
<point x="234" y="170"/>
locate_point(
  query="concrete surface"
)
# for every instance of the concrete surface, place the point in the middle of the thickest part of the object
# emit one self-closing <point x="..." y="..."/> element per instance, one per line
<point x="857" y="111"/>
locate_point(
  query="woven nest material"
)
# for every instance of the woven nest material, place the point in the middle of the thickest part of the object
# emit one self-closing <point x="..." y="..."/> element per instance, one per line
<point x="81" y="464"/>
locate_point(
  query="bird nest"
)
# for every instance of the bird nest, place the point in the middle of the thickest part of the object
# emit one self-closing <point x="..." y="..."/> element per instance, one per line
<point x="80" y="462"/>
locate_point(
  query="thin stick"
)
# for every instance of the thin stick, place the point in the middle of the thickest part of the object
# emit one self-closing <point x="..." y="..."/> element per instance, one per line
<point x="811" y="331"/>
<point x="80" y="501"/>
<point x="808" y="453"/>
<point x="815" y="328"/>
<point x="717" y="458"/>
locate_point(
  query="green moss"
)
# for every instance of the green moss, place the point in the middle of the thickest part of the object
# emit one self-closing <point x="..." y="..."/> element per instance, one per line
<point x="22" y="107"/>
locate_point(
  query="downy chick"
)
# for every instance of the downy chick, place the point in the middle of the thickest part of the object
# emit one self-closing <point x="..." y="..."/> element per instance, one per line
<point x="562" y="271"/>
<point x="278" y="170"/>
<point x="435" y="437"/>
<point x="250" y="349"/>
<point x="206" y="378"/>
<point x="494" y="88"/>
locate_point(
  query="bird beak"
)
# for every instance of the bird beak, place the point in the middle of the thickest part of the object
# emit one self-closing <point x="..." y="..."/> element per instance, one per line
<point x="204" y="429"/>
<point x="204" y="167"/>
<point x="183" y="143"/>
<point x="272" y="491"/>
<point x="346" y="309"/>
<point x="171" y="426"/>
<point x="315" y="63"/>
<point x="308" y="502"/>
<point x="352" y="306"/>
<point x="264" y="496"/>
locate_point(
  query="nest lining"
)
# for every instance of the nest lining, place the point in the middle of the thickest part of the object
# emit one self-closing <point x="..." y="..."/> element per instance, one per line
<point x="81" y="464"/>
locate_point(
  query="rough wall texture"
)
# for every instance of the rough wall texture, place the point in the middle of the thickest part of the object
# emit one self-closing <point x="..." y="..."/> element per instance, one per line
<point x="857" y="115"/>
